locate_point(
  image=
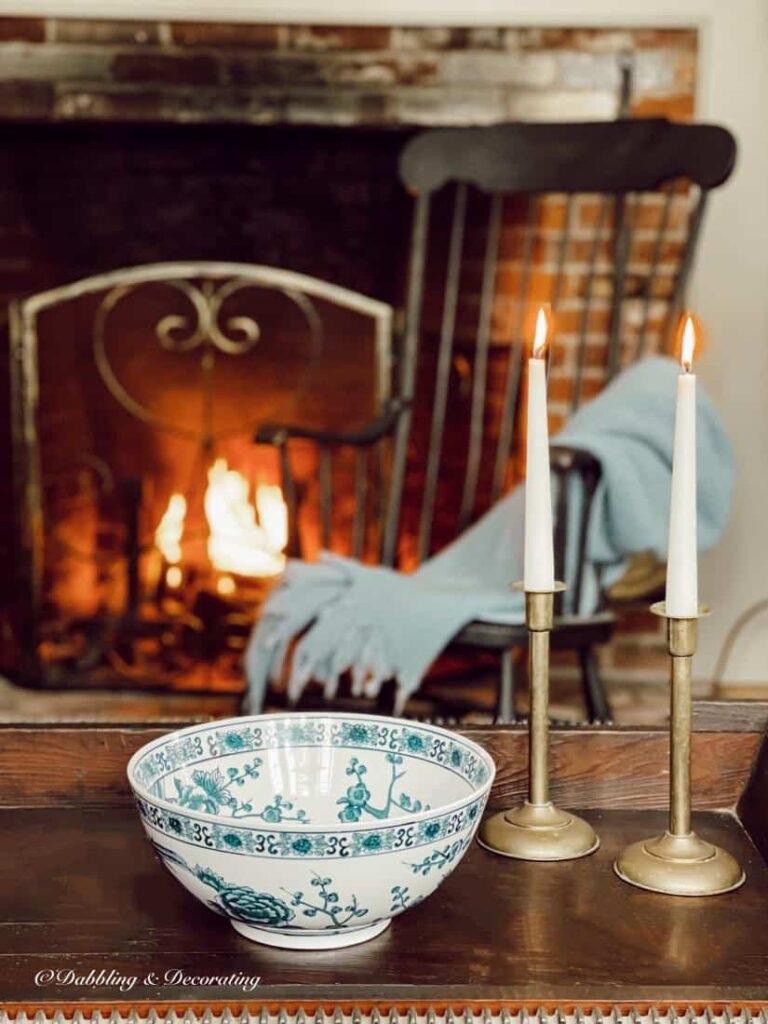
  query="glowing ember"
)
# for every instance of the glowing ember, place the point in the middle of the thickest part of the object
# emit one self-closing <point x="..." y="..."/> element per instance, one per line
<point x="226" y="586"/>
<point x="237" y="542"/>
<point x="173" y="576"/>
<point x="170" y="531"/>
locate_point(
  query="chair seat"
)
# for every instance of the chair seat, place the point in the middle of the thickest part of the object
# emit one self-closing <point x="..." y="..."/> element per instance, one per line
<point x="568" y="631"/>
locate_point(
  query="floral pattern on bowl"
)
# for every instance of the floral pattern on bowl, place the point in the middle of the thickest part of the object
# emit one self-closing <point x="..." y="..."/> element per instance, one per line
<point x="271" y="820"/>
<point x="357" y="800"/>
<point x="211" y="791"/>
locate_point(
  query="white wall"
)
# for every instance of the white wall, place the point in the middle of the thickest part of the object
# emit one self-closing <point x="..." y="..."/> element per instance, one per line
<point x="731" y="291"/>
<point x="730" y="288"/>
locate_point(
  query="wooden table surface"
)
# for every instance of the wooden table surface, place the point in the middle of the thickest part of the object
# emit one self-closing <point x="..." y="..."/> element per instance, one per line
<point x="82" y="889"/>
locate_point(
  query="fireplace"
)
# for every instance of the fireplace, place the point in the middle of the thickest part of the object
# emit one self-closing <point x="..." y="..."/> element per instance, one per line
<point x="144" y="438"/>
<point x="269" y="145"/>
<point x="150" y="524"/>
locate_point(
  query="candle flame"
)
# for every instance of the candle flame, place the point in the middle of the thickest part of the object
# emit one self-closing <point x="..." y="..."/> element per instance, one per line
<point x="541" y="334"/>
<point x="689" y="343"/>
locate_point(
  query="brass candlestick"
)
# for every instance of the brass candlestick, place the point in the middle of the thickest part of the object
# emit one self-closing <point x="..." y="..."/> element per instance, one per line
<point x="679" y="862"/>
<point x="538" y="830"/>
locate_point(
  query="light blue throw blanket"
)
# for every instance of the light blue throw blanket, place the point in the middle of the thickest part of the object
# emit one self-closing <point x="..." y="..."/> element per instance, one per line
<point x="380" y="624"/>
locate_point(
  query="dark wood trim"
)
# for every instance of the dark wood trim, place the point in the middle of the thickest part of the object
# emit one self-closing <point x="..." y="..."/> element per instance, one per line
<point x="71" y="764"/>
<point x="730" y="716"/>
<point x="624" y="768"/>
<point x="62" y="765"/>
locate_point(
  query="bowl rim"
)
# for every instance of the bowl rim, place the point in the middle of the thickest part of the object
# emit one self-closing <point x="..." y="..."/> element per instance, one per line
<point x="321" y="826"/>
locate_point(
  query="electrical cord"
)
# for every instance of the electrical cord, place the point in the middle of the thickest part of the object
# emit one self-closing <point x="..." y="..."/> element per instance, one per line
<point x="732" y="636"/>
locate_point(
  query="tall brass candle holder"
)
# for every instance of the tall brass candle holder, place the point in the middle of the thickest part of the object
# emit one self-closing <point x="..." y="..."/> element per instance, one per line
<point x="537" y="830"/>
<point x="679" y="862"/>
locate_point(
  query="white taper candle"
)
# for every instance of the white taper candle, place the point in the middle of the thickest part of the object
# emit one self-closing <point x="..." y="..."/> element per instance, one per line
<point x="682" y="598"/>
<point x="539" y="564"/>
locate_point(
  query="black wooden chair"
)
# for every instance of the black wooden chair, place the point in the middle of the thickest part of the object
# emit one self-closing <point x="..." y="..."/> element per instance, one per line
<point x="602" y="221"/>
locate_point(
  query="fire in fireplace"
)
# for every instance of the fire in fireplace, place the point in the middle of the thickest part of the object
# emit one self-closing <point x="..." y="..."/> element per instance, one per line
<point x="224" y="578"/>
<point x="246" y="539"/>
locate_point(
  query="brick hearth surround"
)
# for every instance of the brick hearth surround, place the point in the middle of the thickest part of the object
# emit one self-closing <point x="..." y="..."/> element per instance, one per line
<point x="64" y="71"/>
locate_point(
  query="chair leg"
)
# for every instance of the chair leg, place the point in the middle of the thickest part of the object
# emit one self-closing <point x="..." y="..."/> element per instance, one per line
<point x="595" y="697"/>
<point x="505" y="704"/>
<point x="385" y="701"/>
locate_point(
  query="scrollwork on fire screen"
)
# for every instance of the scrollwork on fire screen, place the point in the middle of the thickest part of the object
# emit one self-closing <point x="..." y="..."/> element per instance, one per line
<point x="206" y="328"/>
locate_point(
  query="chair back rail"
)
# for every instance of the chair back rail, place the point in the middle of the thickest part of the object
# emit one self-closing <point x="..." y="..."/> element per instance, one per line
<point x="635" y="155"/>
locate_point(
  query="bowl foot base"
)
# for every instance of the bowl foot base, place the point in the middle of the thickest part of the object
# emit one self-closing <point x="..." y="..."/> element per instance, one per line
<point x="309" y="940"/>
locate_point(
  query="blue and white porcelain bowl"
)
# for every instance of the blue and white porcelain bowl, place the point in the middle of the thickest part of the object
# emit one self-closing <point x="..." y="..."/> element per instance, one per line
<point x="311" y="831"/>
